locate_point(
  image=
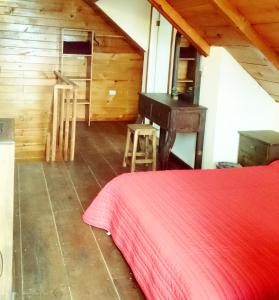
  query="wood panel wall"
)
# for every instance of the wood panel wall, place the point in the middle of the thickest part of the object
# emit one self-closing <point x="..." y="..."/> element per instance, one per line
<point x="29" y="53"/>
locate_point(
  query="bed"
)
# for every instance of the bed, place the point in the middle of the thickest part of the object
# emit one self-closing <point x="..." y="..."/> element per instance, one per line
<point x="201" y="234"/>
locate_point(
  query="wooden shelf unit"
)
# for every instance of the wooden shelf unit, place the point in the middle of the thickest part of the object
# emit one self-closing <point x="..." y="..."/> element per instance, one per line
<point x="186" y="74"/>
<point x="79" y="36"/>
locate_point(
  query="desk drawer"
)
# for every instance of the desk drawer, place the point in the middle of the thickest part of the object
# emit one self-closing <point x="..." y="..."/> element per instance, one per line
<point x="160" y="115"/>
<point x="187" y="121"/>
<point x="252" y="152"/>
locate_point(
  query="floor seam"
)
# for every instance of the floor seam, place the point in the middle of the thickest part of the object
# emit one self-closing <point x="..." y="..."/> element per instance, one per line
<point x="104" y="158"/>
<point x="20" y="230"/>
<point x="96" y="241"/>
<point x="56" y="230"/>
<point x="108" y="163"/>
<point x="91" y="171"/>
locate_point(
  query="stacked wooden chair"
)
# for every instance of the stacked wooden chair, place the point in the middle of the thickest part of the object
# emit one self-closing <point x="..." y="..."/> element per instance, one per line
<point x="64" y="115"/>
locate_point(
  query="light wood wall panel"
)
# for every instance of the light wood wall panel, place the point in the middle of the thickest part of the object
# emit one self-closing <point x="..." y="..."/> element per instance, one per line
<point x="29" y="53"/>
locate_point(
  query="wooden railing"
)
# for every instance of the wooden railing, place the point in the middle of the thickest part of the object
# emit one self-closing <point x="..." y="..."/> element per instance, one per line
<point x="64" y="100"/>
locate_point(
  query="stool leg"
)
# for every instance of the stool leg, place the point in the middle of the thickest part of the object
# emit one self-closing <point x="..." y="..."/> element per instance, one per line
<point x="154" y="150"/>
<point x="146" y="147"/>
<point x="127" y="148"/>
<point x="135" y="146"/>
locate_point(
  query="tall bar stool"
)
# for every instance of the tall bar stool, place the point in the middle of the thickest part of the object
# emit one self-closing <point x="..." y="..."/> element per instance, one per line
<point x="138" y="130"/>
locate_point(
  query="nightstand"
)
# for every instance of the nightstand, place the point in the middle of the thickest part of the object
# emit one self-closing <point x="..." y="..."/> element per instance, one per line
<point x="258" y="147"/>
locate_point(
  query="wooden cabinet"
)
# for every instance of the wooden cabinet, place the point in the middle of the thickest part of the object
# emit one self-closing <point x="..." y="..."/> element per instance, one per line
<point x="258" y="147"/>
<point x="7" y="154"/>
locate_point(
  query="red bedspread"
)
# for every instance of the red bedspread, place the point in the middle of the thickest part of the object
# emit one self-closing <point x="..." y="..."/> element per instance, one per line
<point x="211" y="234"/>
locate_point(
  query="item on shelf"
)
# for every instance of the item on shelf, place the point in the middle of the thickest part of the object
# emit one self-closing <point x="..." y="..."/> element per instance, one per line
<point x="174" y="93"/>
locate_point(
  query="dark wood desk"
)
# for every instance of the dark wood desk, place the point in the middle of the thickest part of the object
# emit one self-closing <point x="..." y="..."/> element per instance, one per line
<point x="173" y="116"/>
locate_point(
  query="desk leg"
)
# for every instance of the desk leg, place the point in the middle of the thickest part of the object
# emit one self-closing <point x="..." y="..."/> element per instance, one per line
<point x="165" y="152"/>
<point x="199" y="150"/>
<point x="162" y="139"/>
<point x="162" y="142"/>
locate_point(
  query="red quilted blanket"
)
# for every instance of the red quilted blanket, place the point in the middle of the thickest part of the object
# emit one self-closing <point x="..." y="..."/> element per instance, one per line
<point x="210" y="234"/>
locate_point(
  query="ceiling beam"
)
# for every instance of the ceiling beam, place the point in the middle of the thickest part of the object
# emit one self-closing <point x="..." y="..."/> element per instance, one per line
<point x="181" y="25"/>
<point x="247" y="30"/>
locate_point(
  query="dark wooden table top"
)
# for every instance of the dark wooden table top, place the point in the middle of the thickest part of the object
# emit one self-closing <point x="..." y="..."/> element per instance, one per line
<point x="168" y="100"/>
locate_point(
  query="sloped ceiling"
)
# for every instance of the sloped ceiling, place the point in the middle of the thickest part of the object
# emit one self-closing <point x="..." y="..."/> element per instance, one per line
<point x="248" y="29"/>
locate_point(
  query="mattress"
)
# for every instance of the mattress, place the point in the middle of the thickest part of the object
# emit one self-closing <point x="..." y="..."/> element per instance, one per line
<point x="196" y="234"/>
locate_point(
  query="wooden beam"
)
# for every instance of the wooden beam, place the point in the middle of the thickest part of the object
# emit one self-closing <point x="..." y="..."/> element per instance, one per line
<point x="247" y="30"/>
<point x="181" y="25"/>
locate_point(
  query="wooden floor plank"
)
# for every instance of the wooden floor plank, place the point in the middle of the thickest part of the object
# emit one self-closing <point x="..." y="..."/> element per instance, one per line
<point x="98" y="166"/>
<point x="107" y="143"/>
<point x="128" y="289"/>
<point x="82" y="178"/>
<point x="33" y="194"/>
<point x="60" y="188"/>
<point x="115" y="134"/>
<point x="59" y="294"/>
<point x="17" y="279"/>
<point x="115" y="261"/>
<point x="42" y="261"/>
<point x="97" y="145"/>
<point x="89" y="145"/>
<point x="87" y="274"/>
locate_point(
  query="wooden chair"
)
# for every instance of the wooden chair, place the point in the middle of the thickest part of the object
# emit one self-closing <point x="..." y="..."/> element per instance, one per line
<point x="140" y="130"/>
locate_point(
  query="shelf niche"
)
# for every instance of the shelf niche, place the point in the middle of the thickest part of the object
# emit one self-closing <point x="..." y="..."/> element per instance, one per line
<point x="77" y="47"/>
<point x="186" y="73"/>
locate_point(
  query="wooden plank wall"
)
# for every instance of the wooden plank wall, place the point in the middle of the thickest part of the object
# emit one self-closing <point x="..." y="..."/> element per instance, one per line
<point x="29" y="53"/>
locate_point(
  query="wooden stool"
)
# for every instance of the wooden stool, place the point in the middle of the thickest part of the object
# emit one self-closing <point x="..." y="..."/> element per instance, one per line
<point x="146" y="131"/>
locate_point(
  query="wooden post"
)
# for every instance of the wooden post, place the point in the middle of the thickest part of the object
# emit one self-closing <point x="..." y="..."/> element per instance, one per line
<point x="61" y="126"/>
<point x="127" y="147"/>
<point x="134" y="154"/>
<point x="67" y="123"/>
<point x="64" y="116"/>
<point x="48" y="147"/>
<point x="154" y="151"/>
<point x="90" y="59"/>
<point x="54" y="123"/>
<point x="74" y="119"/>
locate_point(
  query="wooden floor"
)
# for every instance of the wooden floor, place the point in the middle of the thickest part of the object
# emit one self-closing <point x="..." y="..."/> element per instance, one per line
<point x="57" y="256"/>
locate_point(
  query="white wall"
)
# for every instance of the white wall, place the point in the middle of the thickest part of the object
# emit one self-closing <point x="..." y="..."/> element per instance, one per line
<point x="242" y="105"/>
<point x="132" y="16"/>
<point x="235" y="102"/>
<point x="185" y="144"/>
<point x="159" y="54"/>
